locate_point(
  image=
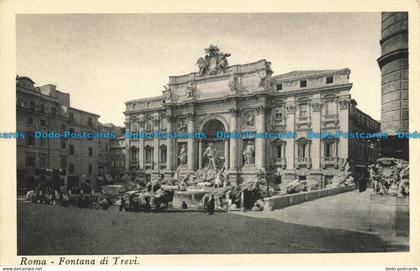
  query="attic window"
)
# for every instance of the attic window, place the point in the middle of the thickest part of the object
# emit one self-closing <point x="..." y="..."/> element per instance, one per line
<point x="302" y="83"/>
<point x="279" y="86"/>
<point x="330" y="79"/>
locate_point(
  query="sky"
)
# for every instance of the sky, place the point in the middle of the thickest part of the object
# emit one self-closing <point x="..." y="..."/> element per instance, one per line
<point x="104" y="60"/>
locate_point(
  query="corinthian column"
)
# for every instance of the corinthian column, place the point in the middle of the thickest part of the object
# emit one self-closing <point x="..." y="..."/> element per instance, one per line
<point x="260" y="141"/>
<point x="191" y="143"/>
<point x="170" y="143"/>
<point x="233" y="141"/>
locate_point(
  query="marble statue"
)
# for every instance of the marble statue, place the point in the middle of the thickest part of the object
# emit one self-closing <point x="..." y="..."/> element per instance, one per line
<point x="248" y="153"/>
<point x="182" y="156"/>
<point x="211" y="154"/>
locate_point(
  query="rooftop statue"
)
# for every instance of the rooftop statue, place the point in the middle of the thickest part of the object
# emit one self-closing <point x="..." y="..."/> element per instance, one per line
<point x="213" y="62"/>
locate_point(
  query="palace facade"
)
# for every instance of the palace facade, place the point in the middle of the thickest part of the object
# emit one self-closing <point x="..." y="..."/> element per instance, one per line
<point x="248" y="97"/>
<point x="60" y="162"/>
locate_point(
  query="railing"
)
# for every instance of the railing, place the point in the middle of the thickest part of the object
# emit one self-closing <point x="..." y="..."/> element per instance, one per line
<point x="329" y="160"/>
<point x="304" y="161"/>
<point x="280" y="162"/>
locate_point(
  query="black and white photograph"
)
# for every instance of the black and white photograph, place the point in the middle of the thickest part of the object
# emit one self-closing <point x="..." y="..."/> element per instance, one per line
<point x="211" y="133"/>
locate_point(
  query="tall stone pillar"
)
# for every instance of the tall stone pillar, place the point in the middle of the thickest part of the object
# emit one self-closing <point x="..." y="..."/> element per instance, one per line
<point x="127" y="145"/>
<point x="171" y="144"/>
<point x="200" y="154"/>
<point x="233" y="152"/>
<point x="260" y="141"/>
<point x="191" y="159"/>
<point x="316" y="127"/>
<point x="316" y="142"/>
<point x="226" y="154"/>
<point x="141" y="145"/>
<point x="343" y="118"/>
<point x="156" y="142"/>
<point x="290" y="173"/>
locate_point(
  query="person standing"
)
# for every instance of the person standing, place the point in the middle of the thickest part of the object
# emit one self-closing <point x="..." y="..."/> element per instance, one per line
<point x="210" y="205"/>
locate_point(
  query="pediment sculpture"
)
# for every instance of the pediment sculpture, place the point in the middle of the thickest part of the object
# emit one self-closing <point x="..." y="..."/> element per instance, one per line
<point x="214" y="62"/>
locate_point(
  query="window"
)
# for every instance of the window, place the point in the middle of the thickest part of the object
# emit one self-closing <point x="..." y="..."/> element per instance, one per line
<point x="42" y="108"/>
<point x="63" y="143"/>
<point x="32" y="105"/>
<point x="330" y="79"/>
<point x="302" y="150"/>
<point x="278" y="114"/>
<point x="90" y="151"/>
<point x="90" y="122"/>
<point x="90" y="169"/>
<point x="43" y="123"/>
<point x="71" y="168"/>
<point x="149" y="125"/>
<point x="30" y="121"/>
<point x="71" y="116"/>
<point x="71" y="149"/>
<point x="30" y="160"/>
<point x="303" y="110"/>
<point x="330" y="108"/>
<point x="134" y="152"/>
<point x="42" y="160"/>
<point x="163" y="123"/>
<point x="149" y="155"/>
<point x="63" y="161"/>
<point x="134" y="126"/>
<point x="278" y="151"/>
<point x="53" y="110"/>
<point x="30" y="138"/>
<point x="163" y="154"/>
<point x="302" y="83"/>
<point x="328" y="149"/>
<point x="279" y="86"/>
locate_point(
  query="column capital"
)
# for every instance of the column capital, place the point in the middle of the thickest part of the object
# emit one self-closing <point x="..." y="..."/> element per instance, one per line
<point x="316" y="106"/>
<point x="261" y="109"/>
<point x="190" y="116"/>
<point x="344" y="103"/>
<point x="290" y="108"/>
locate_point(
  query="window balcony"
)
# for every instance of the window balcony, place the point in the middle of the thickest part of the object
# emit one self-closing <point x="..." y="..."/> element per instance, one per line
<point x="329" y="120"/>
<point x="303" y="121"/>
<point x="329" y="161"/>
<point x="280" y="162"/>
<point x="304" y="161"/>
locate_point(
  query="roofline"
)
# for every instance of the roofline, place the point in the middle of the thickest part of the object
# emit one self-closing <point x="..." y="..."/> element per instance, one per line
<point x="309" y="76"/>
<point x="154" y="98"/>
<point x="93" y="114"/>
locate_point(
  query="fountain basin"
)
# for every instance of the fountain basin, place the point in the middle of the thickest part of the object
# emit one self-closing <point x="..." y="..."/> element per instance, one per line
<point x="193" y="198"/>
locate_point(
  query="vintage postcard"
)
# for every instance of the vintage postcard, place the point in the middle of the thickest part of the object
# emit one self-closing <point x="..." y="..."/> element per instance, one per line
<point x="234" y="133"/>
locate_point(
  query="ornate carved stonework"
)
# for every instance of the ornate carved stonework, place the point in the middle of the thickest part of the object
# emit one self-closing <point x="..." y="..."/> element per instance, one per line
<point x="166" y="95"/>
<point x="290" y="108"/>
<point x="260" y="109"/>
<point x="234" y="83"/>
<point x="249" y="119"/>
<point x="181" y="125"/>
<point x="190" y="116"/>
<point x="316" y="107"/>
<point x="263" y="78"/>
<point x="344" y="103"/>
<point x="213" y="62"/>
<point x="191" y="87"/>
